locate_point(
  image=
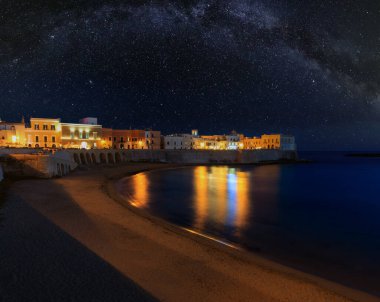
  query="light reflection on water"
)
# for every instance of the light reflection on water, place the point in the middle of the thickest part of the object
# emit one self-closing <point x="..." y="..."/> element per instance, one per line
<point x="216" y="196"/>
<point x="316" y="216"/>
<point x="221" y="194"/>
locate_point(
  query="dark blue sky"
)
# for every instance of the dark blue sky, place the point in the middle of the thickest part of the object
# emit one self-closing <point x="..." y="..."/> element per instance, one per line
<point x="311" y="69"/>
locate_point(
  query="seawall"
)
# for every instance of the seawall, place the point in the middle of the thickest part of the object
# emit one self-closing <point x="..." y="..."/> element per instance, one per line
<point x="47" y="165"/>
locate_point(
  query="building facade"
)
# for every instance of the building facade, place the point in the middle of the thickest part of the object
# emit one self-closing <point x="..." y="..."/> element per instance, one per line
<point x="153" y="139"/>
<point x="81" y="136"/>
<point x="271" y="141"/>
<point x="44" y="133"/>
<point x="178" y="142"/>
<point x="12" y="135"/>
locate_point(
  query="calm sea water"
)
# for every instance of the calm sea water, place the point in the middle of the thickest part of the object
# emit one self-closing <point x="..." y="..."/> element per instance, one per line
<point x="322" y="217"/>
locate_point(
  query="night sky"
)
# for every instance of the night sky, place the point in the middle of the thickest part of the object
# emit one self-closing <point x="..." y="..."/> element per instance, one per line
<point x="309" y="68"/>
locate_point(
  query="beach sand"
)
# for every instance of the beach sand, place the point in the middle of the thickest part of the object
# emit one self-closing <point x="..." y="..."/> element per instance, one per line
<point x="75" y="239"/>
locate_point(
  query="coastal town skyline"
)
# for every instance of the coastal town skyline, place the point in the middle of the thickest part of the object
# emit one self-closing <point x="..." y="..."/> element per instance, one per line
<point x="87" y="133"/>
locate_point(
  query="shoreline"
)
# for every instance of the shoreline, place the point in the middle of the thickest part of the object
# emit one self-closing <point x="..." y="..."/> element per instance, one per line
<point x="124" y="237"/>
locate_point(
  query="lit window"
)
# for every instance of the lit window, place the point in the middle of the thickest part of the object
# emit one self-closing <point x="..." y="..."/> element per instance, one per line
<point x="52" y="127"/>
<point x="45" y="127"/>
<point x="36" y="127"/>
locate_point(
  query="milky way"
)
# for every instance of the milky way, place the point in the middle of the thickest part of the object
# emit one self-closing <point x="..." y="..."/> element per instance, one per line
<point x="312" y="69"/>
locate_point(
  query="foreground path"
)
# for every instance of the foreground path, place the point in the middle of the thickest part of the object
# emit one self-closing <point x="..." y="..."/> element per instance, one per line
<point x="68" y="240"/>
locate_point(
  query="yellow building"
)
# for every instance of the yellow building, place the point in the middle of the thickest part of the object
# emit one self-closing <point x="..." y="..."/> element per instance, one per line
<point x="271" y="141"/>
<point x="43" y="133"/>
<point x="251" y="143"/>
<point x="12" y="135"/>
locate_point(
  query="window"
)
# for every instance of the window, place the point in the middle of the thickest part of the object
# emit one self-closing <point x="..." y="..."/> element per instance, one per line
<point x="87" y="135"/>
<point x="52" y="127"/>
<point x="36" y="127"/>
<point x="122" y="139"/>
<point x="45" y="139"/>
<point x="37" y="138"/>
<point x="114" y="138"/>
<point x="110" y="138"/>
<point x="95" y="135"/>
<point x="72" y="135"/>
<point x="45" y="127"/>
<point x="53" y="139"/>
<point x="80" y="134"/>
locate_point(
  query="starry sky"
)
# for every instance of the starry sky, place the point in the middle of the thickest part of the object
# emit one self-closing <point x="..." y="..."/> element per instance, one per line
<point x="308" y="68"/>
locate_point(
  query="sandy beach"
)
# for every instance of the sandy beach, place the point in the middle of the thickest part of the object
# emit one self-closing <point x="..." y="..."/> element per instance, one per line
<point x="75" y="239"/>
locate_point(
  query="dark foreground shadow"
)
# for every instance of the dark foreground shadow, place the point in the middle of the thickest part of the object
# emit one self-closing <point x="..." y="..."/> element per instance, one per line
<point x="40" y="262"/>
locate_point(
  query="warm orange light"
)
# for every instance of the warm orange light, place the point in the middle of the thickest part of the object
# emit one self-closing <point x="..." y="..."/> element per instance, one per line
<point x="140" y="185"/>
<point x="201" y="198"/>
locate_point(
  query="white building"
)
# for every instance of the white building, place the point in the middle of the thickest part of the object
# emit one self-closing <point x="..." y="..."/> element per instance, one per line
<point x="178" y="141"/>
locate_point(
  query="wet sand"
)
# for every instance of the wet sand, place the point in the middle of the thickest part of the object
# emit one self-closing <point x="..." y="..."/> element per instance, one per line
<point x="74" y="238"/>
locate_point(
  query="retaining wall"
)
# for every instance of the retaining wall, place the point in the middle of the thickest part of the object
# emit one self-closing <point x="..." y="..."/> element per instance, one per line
<point x="62" y="162"/>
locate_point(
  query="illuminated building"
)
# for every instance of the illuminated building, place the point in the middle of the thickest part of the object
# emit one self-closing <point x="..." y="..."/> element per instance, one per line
<point x="44" y="133"/>
<point x="271" y="141"/>
<point x="231" y="141"/>
<point x="107" y="138"/>
<point x="128" y="139"/>
<point x="81" y="136"/>
<point x="12" y="134"/>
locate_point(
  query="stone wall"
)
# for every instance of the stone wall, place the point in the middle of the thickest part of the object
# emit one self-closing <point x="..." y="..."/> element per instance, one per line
<point x="87" y="157"/>
<point x="62" y="162"/>
<point x="35" y="165"/>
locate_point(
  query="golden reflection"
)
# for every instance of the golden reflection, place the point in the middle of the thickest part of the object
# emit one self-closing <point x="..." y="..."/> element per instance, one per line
<point x="243" y="202"/>
<point x="222" y="195"/>
<point x="201" y="195"/>
<point x="141" y="194"/>
<point x="218" y="189"/>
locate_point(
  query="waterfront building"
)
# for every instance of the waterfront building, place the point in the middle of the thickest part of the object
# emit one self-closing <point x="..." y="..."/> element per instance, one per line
<point x="235" y="141"/>
<point x="252" y="143"/>
<point x="271" y="141"/>
<point x="178" y="142"/>
<point x="107" y="138"/>
<point x="127" y="139"/>
<point x="81" y="136"/>
<point x="12" y="135"/>
<point x="153" y="139"/>
<point x="44" y="133"/>
<point x="231" y="141"/>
